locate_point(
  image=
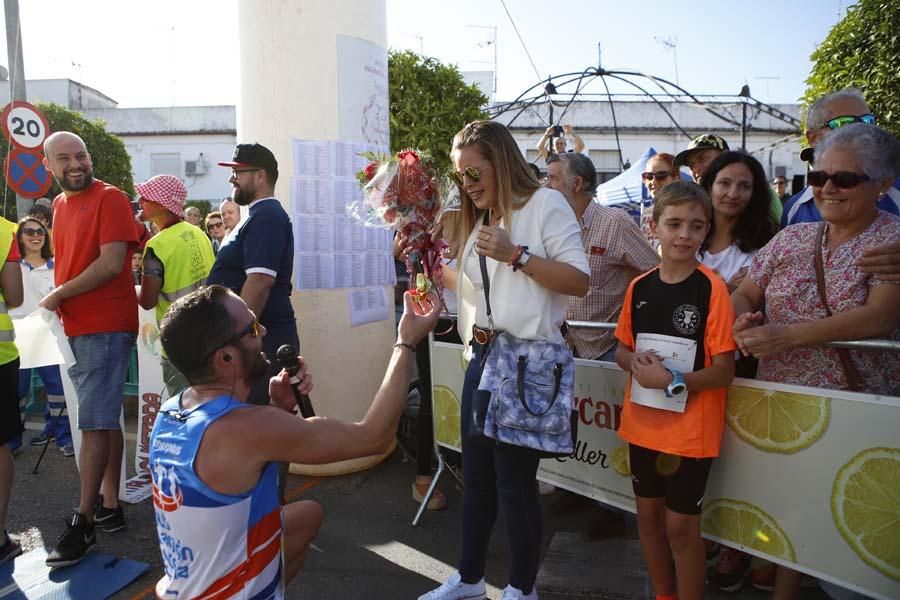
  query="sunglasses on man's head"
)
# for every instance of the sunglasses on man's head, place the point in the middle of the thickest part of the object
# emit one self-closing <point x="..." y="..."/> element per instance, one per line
<point x="36" y="231"/>
<point x="838" y="122"/>
<point x="471" y="172"/>
<point x="843" y="180"/>
<point x="658" y="175"/>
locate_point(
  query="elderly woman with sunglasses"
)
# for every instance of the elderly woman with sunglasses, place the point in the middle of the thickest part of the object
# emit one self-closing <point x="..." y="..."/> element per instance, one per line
<point x="856" y="165"/>
<point x="535" y="259"/>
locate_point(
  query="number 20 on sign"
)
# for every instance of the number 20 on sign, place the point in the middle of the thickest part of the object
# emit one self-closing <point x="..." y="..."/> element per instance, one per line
<point x="24" y="125"/>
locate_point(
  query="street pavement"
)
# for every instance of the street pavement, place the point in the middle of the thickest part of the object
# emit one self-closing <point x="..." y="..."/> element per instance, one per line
<point x="367" y="547"/>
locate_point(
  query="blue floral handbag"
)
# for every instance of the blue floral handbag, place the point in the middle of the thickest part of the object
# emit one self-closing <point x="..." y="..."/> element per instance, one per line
<point x="531" y="386"/>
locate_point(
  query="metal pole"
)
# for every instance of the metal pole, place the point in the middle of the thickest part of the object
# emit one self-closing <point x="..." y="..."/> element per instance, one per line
<point x="16" y="74"/>
<point x="744" y="125"/>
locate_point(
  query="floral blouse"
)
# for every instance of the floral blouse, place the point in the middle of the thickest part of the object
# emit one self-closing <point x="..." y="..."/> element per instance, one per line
<point x="786" y="272"/>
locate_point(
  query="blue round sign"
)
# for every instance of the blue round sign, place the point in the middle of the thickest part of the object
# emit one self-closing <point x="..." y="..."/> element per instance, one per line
<point x="26" y="174"/>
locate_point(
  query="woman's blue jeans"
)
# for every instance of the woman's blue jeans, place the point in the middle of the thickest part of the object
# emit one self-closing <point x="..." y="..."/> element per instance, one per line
<point x="493" y="473"/>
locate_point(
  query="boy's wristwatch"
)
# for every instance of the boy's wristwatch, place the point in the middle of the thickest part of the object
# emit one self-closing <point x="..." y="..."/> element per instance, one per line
<point x="677" y="386"/>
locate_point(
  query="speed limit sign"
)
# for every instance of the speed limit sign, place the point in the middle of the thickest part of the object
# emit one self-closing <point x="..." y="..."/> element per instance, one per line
<point x="24" y="125"/>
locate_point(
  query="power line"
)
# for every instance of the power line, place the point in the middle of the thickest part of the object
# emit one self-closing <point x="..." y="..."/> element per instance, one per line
<point x="524" y="47"/>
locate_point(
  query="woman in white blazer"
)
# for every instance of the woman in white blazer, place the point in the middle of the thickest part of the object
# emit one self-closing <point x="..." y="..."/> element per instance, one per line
<point x="535" y="260"/>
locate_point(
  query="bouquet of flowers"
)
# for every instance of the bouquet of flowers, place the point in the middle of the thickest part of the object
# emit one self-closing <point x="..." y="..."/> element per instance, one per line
<point x="403" y="193"/>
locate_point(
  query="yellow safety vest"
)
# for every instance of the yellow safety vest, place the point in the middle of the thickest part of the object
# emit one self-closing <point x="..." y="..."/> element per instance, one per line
<point x="8" y="350"/>
<point x="187" y="258"/>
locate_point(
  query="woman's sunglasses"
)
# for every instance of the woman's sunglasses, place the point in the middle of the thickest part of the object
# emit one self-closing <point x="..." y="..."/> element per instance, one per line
<point x="838" y="122"/>
<point x="659" y="175"/>
<point x="843" y="180"/>
<point x="471" y="172"/>
<point x="34" y="232"/>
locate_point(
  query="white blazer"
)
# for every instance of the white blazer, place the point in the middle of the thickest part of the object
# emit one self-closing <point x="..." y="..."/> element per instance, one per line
<point x="519" y="305"/>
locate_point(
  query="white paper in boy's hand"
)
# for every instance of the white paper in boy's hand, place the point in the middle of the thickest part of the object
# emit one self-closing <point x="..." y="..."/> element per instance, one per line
<point x="675" y="353"/>
<point x="41" y="341"/>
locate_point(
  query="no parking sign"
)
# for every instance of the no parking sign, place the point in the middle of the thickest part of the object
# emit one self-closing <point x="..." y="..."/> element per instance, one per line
<point x="25" y="173"/>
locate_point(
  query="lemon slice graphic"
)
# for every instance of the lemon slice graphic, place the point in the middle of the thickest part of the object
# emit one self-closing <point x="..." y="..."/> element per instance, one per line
<point x="784" y="422"/>
<point x="619" y="461"/>
<point x="446" y="409"/>
<point x="743" y="523"/>
<point x="865" y="504"/>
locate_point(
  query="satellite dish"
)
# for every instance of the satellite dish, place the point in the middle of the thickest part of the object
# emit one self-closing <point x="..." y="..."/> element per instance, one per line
<point x="4" y="74"/>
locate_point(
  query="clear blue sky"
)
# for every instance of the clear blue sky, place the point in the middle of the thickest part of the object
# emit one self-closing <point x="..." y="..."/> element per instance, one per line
<point x="179" y="52"/>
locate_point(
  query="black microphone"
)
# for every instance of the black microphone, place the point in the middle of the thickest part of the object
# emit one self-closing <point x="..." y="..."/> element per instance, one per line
<point x="289" y="361"/>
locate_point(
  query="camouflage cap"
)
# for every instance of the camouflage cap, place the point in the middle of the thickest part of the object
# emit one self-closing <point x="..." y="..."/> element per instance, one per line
<point x="701" y="142"/>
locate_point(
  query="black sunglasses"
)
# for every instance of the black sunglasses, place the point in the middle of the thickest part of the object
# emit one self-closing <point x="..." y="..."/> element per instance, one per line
<point x="471" y="172"/>
<point x="843" y="180"/>
<point x="37" y="231"/>
<point x="660" y="175"/>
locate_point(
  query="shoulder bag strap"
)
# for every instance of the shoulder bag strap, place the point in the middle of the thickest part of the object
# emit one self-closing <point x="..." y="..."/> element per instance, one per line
<point x="850" y="372"/>
<point x="485" y="280"/>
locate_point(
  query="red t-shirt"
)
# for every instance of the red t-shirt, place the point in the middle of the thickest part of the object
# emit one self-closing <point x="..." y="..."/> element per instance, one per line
<point x="82" y="223"/>
<point x="13" y="255"/>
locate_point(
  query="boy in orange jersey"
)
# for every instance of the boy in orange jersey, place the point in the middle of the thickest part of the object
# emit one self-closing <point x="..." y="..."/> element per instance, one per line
<point x="675" y="339"/>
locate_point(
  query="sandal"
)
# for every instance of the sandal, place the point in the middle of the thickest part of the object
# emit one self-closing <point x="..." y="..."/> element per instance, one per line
<point x="438" y="500"/>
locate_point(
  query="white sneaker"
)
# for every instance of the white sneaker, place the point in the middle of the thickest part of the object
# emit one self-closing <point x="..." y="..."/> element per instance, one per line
<point x="455" y="589"/>
<point x="511" y="593"/>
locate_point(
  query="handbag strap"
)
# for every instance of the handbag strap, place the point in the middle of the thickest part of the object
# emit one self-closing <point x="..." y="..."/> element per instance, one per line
<point x="521" y="364"/>
<point x="850" y="372"/>
<point x="485" y="280"/>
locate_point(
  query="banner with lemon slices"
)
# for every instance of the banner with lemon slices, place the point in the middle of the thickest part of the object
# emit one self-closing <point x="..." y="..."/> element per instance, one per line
<point x="808" y="478"/>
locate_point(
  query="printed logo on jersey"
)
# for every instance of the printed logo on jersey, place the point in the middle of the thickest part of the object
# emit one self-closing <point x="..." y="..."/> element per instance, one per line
<point x="686" y="319"/>
<point x="166" y="488"/>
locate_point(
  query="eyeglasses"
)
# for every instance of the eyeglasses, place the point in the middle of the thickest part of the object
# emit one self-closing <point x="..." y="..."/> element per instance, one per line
<point x="779" y="182"/>
<point x="37" y="232"/>
<point x="839" y="122"/>
<point x="472" y="173"/>
<point x="660" y="175"/>
<point x="843" y="180"/>
<point x="214" y="225"/>
<point x="236" y="172"/>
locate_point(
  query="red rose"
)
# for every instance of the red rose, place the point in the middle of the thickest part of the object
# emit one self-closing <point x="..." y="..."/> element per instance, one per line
<point x="408" y="153"/>
<point x="370" y="170"/>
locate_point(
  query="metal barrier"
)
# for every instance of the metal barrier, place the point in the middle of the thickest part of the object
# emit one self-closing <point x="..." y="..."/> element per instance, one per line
<point x="870" y="344"/>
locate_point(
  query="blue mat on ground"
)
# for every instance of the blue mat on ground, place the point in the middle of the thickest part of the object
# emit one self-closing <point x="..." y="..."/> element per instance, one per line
<point x="97" y="576"/>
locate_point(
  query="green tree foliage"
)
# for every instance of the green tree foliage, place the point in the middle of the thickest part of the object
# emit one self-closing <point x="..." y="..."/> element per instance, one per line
<point x="430" y="102"/>
<point x="863" y="51"/>
<point x="111" y="162"/>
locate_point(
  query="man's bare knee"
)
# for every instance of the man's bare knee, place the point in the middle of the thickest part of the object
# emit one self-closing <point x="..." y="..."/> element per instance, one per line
<point x="301" y="522"/>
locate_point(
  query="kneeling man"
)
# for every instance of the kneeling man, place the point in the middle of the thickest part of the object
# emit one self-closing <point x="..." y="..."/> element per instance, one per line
<point x="214" y="458"/>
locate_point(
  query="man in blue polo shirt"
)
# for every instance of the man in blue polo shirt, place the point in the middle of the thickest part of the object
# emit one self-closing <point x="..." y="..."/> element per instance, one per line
<point x="822" y="117"/>
<point x="256" y="259"/>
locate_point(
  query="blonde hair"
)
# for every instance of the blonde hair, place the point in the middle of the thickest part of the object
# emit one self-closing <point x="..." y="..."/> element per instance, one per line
<point x="515" y="180"/>
<point x="678" y="193"/>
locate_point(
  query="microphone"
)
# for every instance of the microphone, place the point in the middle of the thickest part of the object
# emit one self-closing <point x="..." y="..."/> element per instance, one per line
<point x="289" y="361"/>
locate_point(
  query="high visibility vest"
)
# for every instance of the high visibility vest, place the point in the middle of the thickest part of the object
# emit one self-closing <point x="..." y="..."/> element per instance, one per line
<point x="8" y="350"/>
<point x="187" y="258"/>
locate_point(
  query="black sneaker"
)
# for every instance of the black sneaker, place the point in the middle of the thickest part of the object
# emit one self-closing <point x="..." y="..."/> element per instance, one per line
<point x="109" y="520"/>
<point x="42" y="439"/>
<point x="9" y="550"/>
<point x="728" y="575"/>
<point x="74" y="543"/>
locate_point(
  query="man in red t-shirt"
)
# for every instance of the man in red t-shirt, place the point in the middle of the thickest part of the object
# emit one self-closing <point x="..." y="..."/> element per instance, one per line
<point x="94" y="235"/>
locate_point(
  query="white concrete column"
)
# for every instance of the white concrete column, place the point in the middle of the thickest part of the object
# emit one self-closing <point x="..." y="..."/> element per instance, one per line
<point x="293" y="87"/>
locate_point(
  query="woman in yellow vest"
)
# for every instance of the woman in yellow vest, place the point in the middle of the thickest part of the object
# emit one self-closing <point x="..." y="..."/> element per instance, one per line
<point x="176" y="260"/>
<point x="10" y="422"/>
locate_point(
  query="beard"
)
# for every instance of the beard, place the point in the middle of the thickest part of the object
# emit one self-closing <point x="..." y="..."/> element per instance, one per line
<point x="243" y="197"/>
<point x="70" y="184"/>
<point x="258" y="365"/>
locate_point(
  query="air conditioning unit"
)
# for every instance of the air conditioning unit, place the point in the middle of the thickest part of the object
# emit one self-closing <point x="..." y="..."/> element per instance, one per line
<point x="193" y="168"/>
